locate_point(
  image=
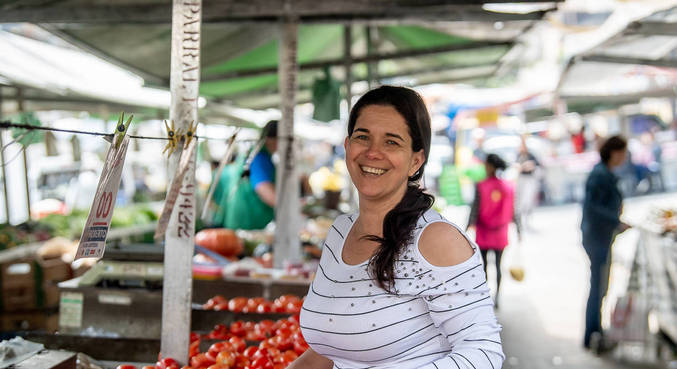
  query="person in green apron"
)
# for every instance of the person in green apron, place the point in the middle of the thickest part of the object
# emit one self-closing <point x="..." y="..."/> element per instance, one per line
<point x="250" y="187"/>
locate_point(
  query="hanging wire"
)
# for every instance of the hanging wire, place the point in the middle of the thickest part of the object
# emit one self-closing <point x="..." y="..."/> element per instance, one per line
<point x="7" y="125"/>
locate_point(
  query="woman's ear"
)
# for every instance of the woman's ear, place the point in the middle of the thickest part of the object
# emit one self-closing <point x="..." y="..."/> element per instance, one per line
<point x="345" y="143"/>
<point x="417" y="162"/>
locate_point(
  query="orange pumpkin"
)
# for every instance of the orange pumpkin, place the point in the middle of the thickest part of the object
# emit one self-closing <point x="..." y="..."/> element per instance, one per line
<point x="221" y="240"/>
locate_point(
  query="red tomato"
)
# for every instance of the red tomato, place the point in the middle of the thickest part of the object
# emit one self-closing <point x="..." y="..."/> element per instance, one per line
<point x="194" y="337"/>
<point x="264" y="307"/>
<point x="238" y="343"/>
<point x="265" y="325"/>
<point x="218" y="366"/>
<point x="214" y="301"/>
<point x="290" y="355"/>
<point x="167" y="363"/>
<point x="262" y="362"/>
<point x="237" y="304"/>
<point x="223" y="306"/>
<point x="250" y="351"/>
<point x="283" y="342"/>
<point x="295" y="318"/>
<point x="237" y="328"/>
<point x="226" y="358"/>
<point x="249" y="326"/>
<point x="294" y="307"/>
<point x="126" y="366"/>
<point x="300" y="345"/>
<point x="218" y="347"/>
<point x="255" y="335"/>
<point x="194" y="348"/>
<point x="202" y="360"/>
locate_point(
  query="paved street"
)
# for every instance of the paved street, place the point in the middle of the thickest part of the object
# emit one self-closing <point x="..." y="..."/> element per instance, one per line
<point x="543" y="316"/>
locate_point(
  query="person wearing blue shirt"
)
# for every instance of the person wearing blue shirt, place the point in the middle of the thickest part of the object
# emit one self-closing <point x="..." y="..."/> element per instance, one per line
<point x="262" y="170"/>
<point x="246" y="192"/>
<point x="602" y="208"/>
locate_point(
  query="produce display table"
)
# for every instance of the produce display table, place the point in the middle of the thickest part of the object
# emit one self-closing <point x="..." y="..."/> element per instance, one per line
<point x="136" y="312"/>
<point x="646" y="311"/>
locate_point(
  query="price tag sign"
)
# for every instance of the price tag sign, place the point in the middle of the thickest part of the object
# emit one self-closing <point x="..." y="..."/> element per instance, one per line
<point x="93" y="239"/>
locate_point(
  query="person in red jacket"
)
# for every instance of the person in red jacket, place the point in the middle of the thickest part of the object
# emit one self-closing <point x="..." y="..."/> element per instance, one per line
<point x="491" y="213"/>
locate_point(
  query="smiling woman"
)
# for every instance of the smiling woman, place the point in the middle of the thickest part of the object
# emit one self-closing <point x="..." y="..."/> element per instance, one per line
<point x="398" y="286"/>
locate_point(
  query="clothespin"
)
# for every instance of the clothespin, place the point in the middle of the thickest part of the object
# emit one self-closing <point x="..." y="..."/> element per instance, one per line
<point x="174" y="137"/>
<point x="121" y="129"/>
<point x="190" y="133"/>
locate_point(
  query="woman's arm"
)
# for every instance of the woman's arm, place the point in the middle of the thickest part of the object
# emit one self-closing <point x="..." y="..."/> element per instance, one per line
<point x="460" y="306"/>
<point x="311" y="360"/>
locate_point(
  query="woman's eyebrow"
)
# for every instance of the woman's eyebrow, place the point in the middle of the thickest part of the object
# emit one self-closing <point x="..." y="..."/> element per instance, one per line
<point x="361" y="130"/>
<point x="395" y="135"/>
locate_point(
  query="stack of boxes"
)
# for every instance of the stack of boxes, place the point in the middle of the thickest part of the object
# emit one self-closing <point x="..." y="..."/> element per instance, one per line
<point x="29" y="293"/>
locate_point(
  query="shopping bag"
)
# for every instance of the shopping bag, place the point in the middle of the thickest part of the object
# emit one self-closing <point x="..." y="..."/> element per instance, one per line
<point x="517" y="264"/>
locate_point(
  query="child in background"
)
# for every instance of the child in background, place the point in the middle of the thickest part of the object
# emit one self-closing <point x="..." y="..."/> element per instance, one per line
<point x="492" y="211"/>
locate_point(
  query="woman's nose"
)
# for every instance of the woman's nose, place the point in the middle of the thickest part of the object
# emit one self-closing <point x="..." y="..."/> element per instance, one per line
<point x="374" y="151"/>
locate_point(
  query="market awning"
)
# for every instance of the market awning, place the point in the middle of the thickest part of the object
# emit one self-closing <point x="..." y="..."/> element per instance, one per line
<point x="69" y="77"/>
<point x="637" y="62"/>
<point x="403" y="41"/>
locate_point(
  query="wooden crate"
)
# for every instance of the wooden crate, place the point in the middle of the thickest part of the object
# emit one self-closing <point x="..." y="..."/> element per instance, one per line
<point x="54" y="270"/>
<point x="38" y="319"/>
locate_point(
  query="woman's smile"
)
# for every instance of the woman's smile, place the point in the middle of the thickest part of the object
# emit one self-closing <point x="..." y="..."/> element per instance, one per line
<point x="372" y="170"/>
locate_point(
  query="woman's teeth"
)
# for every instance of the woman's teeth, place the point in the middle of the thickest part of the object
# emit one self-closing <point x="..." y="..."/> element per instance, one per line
<point x="373" y="170"/>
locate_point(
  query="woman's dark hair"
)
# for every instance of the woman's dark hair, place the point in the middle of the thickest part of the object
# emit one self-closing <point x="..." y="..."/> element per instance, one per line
<point x="269" y="130"/>
<point x="613" y="143"/>
<point x="399" y="223"/>
<point x="496" y="162"/>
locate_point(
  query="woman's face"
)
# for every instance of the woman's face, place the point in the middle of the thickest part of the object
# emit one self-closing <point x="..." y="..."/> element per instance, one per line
<point x="379" y="156"/>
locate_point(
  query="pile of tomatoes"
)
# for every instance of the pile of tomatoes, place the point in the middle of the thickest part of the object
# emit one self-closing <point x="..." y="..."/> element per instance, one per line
<point x="281" y="342"/>
<point x="284" y="304"/>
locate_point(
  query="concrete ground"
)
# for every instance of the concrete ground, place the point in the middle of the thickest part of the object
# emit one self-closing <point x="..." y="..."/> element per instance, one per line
<point x="543" y="316"/>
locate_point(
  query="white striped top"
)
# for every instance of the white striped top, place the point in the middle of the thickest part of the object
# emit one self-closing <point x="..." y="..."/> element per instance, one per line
<point x="438" y="317"/>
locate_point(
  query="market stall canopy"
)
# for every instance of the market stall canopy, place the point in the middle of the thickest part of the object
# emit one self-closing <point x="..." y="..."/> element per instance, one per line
<point x="639" y="61"/>
<point x="69" y="78"/>
<point x="413" y="42"/>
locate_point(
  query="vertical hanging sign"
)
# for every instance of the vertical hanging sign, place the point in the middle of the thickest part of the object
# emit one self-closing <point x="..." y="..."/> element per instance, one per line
<point x="180" y="232"/>
<point x="93" y="239"/>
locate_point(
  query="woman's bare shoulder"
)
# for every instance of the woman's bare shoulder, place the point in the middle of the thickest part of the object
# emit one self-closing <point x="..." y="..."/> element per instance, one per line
<point x="441" y="244"/>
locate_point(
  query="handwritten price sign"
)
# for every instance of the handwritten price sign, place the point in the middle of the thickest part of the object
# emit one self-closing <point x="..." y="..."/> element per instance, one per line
<point x="93" y="239"/>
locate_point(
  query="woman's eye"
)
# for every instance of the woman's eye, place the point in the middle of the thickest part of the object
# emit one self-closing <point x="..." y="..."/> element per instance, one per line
<point x="361" y="137"/>
<point x="391" y="142"/>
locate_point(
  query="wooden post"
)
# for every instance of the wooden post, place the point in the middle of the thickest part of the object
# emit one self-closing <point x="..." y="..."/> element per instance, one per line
<point x="347" y="45"/>
<point x="179" y="237"/>
<point x="372" y="67"/>
<point x="20" y="106"/>
<point x="4" y="173"/>
<point x="287" y="210"/>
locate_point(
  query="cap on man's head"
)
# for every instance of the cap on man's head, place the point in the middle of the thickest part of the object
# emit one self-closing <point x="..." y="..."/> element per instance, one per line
<point x="270" y="129"/>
